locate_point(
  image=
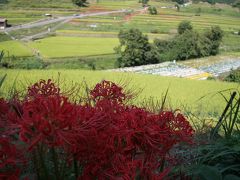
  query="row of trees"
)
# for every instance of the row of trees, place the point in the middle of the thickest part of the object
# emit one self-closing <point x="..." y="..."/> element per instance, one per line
<point x="135" y="48"/>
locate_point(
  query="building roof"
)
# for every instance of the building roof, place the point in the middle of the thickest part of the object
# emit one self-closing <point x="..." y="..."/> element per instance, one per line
<point x="3" y="20"/>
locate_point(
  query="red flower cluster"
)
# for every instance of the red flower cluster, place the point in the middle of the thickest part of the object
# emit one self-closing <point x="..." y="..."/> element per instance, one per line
<point x="104" y="139"/>
<point x="8" y="160"/>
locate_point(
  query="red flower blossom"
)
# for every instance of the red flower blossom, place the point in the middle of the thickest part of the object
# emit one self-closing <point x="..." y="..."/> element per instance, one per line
<point x="43" y="88"/>
<point x="8" y="160"/>
<point x="47" y="120"/>
<point x="107" y="90"/>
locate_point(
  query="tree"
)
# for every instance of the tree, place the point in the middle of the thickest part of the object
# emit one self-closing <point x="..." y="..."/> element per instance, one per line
<point x="144" y="2"/>
<point x="183" y="26"/>
<point x="80" y="3"/>
<point x="152" y="10"/>
<point x="215" y="35"/>
<point x="134" y="49"/>
<point x="237" y="5"/>
<point x="179" y="1"/>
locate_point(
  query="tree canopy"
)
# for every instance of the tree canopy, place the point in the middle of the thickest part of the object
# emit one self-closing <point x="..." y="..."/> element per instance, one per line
<point x="183" y="26"/>
<point x="80" y="3"/>
<point x="134" y="49"/>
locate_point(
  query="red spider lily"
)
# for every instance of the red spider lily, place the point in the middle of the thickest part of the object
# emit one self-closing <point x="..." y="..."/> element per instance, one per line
<point x="43" y="88"/>
<point x="108" y="90"/>
<point x="47" y="120"/>
<point x="8" y="160"/>
<point x="106" y="137"/>
<point x="129" y="132"/>
<point x="9" y="116"/>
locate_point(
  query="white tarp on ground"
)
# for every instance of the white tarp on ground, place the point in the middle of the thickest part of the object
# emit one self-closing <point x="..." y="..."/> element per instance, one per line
<point x="177" y="70"/>
<point x="222" y="67"/>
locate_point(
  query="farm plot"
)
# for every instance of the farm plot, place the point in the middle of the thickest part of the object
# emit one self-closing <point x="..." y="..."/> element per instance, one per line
<point x="16" y="17"/>
<point x="182" y="92"/>
<point x="74" y="46"/>
<point x="199" y="22"/>
<point x="14" y="48"/>
<point x="113" y="5"/>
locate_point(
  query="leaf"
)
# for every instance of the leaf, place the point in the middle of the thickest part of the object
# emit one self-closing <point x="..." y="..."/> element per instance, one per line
<point x="2" y="80"/>
<point x="210" y="173"/>
<point x="231" y="177"/>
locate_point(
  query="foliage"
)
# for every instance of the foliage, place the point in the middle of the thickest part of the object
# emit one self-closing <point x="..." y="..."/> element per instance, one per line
<point x="134" y="49"/>
<point x="234" y="76"/>
<point x="152" y="10"/>
<point x="179" y="1"/>
<point x="144" y="2"/>
<point x="80" y="3"/>
<point x="236" y="4"/>
<point x="184" y="26"/>
<point x="215" y="35"/>
<point x="189" y="44"/>
<point x="103" y="138"/>
<point x="217" y="156"/>
<point x="22" y="63"/>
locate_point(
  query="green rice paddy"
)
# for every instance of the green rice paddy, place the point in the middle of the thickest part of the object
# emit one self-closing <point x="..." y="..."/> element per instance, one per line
<point x="74" y="46"/>
<point x="184" y="94"/>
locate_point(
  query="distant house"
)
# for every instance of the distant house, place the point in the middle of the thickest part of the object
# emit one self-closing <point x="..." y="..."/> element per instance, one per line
<point x="3" y="23"/>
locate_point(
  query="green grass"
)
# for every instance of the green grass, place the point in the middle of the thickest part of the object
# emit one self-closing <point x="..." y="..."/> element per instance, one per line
<point x="14" y="48"/>
<point x="87" y="63"/>
<point x="182" y="92"/>
<point x="20" y="16"/>
<point x="39" y="4"/>
<point x="74" y="46"/>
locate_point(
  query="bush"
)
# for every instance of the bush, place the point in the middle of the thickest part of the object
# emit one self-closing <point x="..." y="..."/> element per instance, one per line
<point x="184" y="26"/>
<point x="22" y="63"/>
<point x="234" y="76"/>
<point x="152" y="10"/>
<point x="215" y="35"/>
<point x="189" y="44"/>
<point x="103" y="138"/>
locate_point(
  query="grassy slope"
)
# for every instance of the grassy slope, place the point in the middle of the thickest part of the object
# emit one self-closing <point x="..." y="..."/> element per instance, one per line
<point x="181" y="91"/>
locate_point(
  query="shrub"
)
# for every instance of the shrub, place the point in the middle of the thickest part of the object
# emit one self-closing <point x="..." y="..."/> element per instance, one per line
<point x="103" y="138"/>
<point x="184" y="26"/>
<point x="22" y="63"/>
<point x="234" y="76"/>
<point x="215" y="35"/>
<point x="152" y="10"/>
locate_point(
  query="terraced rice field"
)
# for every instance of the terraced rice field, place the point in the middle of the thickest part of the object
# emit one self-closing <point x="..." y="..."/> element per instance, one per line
<point x="74" y="46"/>
<point x="183" y="93"/>
<point x="15" y="48"/>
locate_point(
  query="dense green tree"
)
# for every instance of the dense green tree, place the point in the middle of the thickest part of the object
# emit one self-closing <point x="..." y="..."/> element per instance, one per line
<point x="183" y="26"/>
<point x="184" y="46"/>
<point x="215" y="35"/>
<point x="152" y="10"/>
<point x="134" y="49"/>
<point x="179" y="1"/>
<point x="80" y="3"/>
<point x="236" y="4"/>
<point x="234" y="76"/>
<point x="144" y="2"/>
